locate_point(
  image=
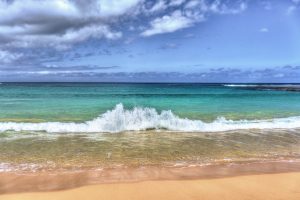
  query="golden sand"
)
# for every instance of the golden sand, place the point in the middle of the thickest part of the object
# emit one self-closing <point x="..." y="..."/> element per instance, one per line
<point x="285" y="186"/>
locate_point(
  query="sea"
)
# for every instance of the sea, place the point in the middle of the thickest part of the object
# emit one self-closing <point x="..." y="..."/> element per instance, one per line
<point x="98" y="126"/>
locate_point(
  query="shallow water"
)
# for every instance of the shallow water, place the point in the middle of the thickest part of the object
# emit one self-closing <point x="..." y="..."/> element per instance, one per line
<point x="39" y="151"/>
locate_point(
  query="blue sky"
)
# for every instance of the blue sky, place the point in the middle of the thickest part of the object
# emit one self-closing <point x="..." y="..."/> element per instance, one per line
<point x="150" y="40"/>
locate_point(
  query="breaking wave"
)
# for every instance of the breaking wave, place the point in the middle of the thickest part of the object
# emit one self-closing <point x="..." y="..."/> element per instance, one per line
<point x="239" y="85"/>
<point x="120" y="119"/>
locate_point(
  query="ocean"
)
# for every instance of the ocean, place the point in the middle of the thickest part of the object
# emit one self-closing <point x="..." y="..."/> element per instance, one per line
<point x="75" y="126"/>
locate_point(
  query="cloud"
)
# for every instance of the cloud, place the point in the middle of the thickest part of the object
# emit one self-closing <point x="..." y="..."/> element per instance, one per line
<point x="192" y="12"/>
<point x="98" y="73"/>
<point x="168" y="24"/>
<point x="159" y="6"/>
<point x="192" y="4"/>
<point x="169" y="46"/>
<point x="59" y="23"/>
<point x="56" y="69"/>
<point x="7" y="57"/>
<point x="33" y="33"/>
<point x="267" y="5"/>
<point x="221" y="8"/>
<point x="189" y="35"/>
<point x="264" y="30"/>
<point x="292" y="8"/>
<point x="176" y="2"/>
<point x="114" y="7"/>
<point x="79" y="68"/>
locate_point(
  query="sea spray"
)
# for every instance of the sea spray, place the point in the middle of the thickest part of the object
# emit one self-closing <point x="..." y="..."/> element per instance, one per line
<point x="120" y="119"/>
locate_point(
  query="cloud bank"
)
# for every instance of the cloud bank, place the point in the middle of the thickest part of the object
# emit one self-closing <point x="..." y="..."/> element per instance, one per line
<point x="61" y="23"/>
<point x="285" y="74"/>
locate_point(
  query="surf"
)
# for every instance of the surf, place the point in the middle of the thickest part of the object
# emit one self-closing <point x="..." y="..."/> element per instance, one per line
<point x="121" y="119"/>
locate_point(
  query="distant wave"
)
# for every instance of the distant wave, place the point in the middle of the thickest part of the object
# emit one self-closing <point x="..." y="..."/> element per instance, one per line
<point x="119" y="119"/>
<point x="281" y="87"/>
<point x="240" y="85"/>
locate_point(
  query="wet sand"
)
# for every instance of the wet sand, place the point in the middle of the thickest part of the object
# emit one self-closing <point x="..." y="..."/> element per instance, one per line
<point x="46" y="181"/>
<point x="264" y="187"/>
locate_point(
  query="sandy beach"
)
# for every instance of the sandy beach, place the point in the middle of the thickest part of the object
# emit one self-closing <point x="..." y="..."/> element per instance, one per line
<point x="149" y="100"/>
<point x="264" y="187"/>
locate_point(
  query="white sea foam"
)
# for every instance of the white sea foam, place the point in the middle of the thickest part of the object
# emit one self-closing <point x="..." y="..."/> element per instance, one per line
<point x="239" y="85"/>
<point x="7" y="167"/>
<point x="120" y="119"/>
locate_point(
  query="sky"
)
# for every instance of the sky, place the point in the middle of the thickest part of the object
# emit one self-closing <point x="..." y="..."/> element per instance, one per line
<point x="150" y="40"/>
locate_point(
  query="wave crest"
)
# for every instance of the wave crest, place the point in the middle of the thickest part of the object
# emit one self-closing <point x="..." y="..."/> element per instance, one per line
<point x="239" y="85"/>
<point x="119" y="119"/>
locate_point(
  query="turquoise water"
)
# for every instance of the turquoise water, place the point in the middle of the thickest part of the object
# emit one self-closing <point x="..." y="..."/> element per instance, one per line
<point x="81" y="102"/>
<point x="94" y="125"/>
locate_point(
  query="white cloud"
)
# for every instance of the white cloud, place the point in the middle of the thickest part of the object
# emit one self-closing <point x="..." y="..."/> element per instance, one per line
<point x="159" y="6"/>
<point x="193" y="11"/>
<point x="296" y="1"/>
<point x="190" y="35"/>
<point x="290" y="10"/>
<point x="7" y="57"/>
<point x="193" y="3"/>
<point x="267" y="5"/>
<point x="168" y="24"/>
<point x="115" y="7"/>
<point x="59" y="23"/>
<point x="176" y="2"/>
<point x="221" y="8"/>
<point x="264" y="30"/>
<point x="169" y="46"/>
<point x="279" y="75"/>
<point x="62" y="23"/>
<point x="30" y="11"/>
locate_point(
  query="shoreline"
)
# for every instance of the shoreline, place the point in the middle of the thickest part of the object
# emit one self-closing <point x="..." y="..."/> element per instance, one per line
<point x="258" y="187"/>
<point x="49" y="181"/>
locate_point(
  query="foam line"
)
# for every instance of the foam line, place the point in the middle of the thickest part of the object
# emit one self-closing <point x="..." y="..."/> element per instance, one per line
<point x="120" y="119"/>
